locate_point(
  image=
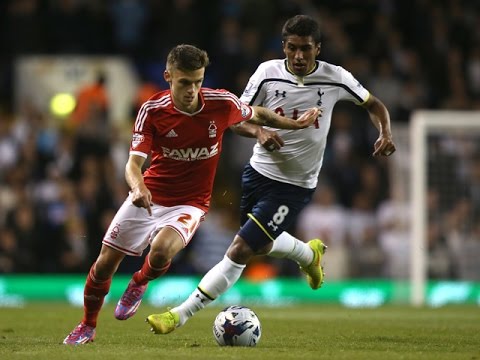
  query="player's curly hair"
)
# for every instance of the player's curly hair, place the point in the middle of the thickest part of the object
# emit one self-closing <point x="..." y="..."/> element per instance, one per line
<point x="187" y="58"/>
<point x="302" y="25"/>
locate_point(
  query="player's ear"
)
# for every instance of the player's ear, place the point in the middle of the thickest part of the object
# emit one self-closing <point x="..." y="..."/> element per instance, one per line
<point x="319" y="47"/>
<point x="167" y="76"/>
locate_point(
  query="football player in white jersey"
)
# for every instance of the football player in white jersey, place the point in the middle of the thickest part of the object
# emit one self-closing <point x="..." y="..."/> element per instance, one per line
<point x="278" y="184"/>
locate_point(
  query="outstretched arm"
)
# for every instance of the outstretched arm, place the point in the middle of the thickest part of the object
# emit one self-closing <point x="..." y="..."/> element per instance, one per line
<point x="269" y="139"/>
<point x="264" y="116"/>
<point x="381" y="119"/>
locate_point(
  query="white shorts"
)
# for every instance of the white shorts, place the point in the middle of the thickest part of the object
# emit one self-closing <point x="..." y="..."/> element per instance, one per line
<point x="133" y="229"/>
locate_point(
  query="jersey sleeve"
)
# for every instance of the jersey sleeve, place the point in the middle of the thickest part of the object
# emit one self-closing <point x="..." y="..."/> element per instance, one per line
<point x="143" y="130"/>
<point x="239" y="112"/>
<point x="254" y="93"/>
<point x="352" y="90"/>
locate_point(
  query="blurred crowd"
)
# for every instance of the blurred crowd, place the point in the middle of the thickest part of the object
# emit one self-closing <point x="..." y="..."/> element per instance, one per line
<point x="61" y="185"/>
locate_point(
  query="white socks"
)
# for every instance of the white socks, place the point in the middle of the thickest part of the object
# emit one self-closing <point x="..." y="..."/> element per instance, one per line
<point x="288" y="246"/>
<point x="222" y="276"/>
<point x="215" y="282"/>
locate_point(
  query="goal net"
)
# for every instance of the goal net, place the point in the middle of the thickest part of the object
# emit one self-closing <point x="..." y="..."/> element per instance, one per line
<point x="445" y="198"/>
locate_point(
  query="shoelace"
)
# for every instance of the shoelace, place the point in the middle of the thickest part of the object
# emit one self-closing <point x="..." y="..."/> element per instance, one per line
<point x="78" y="330"/>
<point x="132" y="296"/>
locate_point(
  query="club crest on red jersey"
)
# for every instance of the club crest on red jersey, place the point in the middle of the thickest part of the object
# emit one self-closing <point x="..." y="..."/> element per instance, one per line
<point x="212" y="129"/>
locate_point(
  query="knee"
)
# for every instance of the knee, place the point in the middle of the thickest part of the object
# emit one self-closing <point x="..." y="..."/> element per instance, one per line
<point x="107" y="263"/>
<point x="239" y="251"/>
<point x="159" y="256"/>
<point x="163" y="250"/>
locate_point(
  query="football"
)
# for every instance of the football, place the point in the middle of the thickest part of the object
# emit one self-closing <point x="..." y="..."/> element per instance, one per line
<point x="237" y="326"/>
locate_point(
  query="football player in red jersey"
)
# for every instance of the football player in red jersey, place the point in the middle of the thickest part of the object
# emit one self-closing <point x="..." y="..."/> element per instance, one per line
<point x="181" y="128"/>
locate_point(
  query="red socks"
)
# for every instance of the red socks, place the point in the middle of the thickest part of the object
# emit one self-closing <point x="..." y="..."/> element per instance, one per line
<point x="93" y="295"/>
<point x="96" y="289"/>
<point x="147" y="272"/>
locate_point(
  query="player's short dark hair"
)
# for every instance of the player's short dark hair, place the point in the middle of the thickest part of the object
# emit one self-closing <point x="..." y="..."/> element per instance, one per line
<point x="302" y="25"/>
<point x="187" y="58"/>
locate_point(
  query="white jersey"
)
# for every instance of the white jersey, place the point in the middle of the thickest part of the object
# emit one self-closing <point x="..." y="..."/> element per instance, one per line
<point x="273" y="86"/>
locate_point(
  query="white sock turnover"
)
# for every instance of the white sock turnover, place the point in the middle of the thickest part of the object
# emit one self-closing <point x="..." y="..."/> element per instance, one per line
<point x="288" y="246"/>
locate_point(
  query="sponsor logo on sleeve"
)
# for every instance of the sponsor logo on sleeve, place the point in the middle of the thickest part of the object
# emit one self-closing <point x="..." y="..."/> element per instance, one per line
<point x="137" y="139"/>
<point x="245" y="111"/>
<point x="248" y="89"/>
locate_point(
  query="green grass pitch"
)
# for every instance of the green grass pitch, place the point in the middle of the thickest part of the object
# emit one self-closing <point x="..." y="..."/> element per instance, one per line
<point x="294" y="332"/>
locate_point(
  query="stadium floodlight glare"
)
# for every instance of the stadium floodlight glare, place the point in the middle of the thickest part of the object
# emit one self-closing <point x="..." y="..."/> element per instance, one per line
<point x="425" y="123"/>
<point x="62" y="104"/>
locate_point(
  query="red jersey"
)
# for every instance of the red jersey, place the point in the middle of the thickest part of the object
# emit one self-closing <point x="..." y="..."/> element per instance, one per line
<point x="185" y="147"/>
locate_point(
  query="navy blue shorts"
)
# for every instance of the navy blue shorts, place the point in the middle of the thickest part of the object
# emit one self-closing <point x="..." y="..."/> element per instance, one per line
<point x="268" y="207"/>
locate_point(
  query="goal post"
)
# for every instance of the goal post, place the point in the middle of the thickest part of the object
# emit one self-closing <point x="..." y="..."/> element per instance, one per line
<point x="425" y="123"/>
